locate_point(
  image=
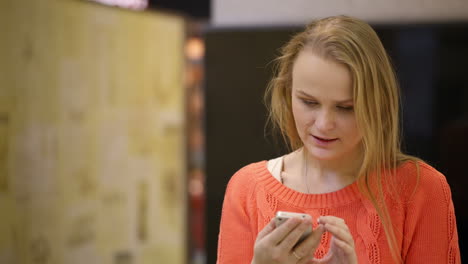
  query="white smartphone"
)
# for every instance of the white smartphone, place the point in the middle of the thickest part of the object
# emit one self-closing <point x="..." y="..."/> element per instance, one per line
<point x="282" y="216"/>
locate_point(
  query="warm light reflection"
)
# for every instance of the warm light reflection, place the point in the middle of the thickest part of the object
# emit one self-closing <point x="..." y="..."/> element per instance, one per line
<point x="196" y="187"/>
<point x="195" y="48"/>
<point x="131" y="4"/>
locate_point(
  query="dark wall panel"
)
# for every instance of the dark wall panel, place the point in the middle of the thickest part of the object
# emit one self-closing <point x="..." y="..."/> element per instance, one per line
<point x="198" y="9"/>
<point x="237" y="73"/>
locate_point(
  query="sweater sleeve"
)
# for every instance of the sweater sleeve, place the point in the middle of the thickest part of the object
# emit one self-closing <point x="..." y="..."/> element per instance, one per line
<point x="430" y="232"/>
<point x="235" y="241"/>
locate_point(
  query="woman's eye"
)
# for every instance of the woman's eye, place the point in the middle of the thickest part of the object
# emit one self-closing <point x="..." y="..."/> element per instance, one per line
<point x="308" y="102"/>
<point x="346" y="108"/>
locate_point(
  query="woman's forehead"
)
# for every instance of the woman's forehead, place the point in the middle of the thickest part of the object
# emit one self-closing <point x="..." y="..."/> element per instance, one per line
<point x="314" y="75"/>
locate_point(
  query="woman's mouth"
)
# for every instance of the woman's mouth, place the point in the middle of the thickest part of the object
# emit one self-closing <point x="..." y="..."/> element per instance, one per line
<point x="325" y="139"/>
<point x="322" y="141"/>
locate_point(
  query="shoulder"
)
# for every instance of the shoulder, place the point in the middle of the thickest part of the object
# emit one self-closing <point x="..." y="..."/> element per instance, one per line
<point x="419" y="167"/>
<point x="248" y="175"/>
<point x="418" y="179"/>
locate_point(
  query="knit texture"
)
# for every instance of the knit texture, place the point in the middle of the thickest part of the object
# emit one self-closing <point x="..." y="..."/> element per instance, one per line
<point x="422" y="215"/>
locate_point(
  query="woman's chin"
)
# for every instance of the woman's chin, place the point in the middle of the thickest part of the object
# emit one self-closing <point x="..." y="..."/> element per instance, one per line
<point x="325" y="155"/>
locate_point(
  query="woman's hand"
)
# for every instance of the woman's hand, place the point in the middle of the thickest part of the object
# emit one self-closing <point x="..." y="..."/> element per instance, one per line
<point x="342" y="243"/>
<point x="277" y="245"/>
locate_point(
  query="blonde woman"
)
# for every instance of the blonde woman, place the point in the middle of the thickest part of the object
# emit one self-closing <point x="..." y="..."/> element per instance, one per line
<point x="335" y="100"/>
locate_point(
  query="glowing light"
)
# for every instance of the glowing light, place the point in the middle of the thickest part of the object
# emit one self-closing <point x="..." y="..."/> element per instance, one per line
<point x="195" y="48"/>
<point x="130" y="4"/>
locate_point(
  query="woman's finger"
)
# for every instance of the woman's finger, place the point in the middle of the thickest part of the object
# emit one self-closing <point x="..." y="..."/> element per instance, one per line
<point x="307" y="259"/>
<point x="331" y="220"/>
<point x="309" y="245"/>
<point x="346" y="248"/>
<point x="340" y="232"/>
<point x="337" y="227"/>
<point x="282" y="231"/>
<point x="294" y="235"/>
<point x="266" y="230"/>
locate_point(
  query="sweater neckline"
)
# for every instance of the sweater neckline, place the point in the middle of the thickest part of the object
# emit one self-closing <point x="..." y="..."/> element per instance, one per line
<point x="346" y="195"/>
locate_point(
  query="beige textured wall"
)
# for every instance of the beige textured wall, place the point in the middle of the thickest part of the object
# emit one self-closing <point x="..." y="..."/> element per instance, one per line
<point x="92" y="144"/>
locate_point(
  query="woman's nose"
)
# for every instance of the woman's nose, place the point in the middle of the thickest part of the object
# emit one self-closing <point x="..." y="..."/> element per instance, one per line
<point x="325" y="120"/>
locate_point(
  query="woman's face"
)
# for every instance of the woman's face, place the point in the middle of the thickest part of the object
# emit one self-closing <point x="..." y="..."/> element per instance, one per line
<point x="322" y="105"/>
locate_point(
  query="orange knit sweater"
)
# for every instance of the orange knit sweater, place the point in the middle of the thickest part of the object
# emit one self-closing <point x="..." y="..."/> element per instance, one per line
<point x="423" y="217"/>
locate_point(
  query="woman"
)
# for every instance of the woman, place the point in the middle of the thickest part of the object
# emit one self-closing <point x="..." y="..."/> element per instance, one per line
<point x="335" y="101"/>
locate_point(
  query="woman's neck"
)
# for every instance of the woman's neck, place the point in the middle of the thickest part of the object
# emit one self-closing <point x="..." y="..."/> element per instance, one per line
<point x="344" y="168"/>
<point x="321" y="176"/>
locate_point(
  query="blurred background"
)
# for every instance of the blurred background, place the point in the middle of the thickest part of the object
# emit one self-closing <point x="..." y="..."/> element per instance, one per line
<point x="121" y="121"/>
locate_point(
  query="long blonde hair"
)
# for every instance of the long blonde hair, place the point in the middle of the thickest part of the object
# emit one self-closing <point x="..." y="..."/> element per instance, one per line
<point x="355" y="44"/>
